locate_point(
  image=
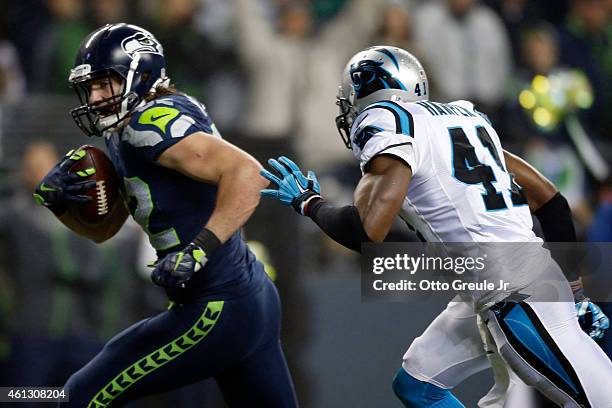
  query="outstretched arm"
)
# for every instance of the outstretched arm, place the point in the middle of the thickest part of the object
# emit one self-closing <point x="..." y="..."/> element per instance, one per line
<point x="378" y="199"/>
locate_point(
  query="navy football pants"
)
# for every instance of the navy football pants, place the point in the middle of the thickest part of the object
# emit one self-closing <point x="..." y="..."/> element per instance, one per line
<point x="236" y="341"/>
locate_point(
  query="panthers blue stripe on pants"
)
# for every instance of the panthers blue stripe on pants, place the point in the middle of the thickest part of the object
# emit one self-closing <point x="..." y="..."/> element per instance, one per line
<point x="544" y="345"/>
<point x="236" y="341"/>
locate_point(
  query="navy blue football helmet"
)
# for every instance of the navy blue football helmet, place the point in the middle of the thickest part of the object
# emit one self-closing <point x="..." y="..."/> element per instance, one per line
<point x="126" y="53"/>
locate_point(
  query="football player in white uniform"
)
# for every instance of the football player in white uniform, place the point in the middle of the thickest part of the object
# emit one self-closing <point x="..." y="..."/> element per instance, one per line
<point x="441" y="167"/>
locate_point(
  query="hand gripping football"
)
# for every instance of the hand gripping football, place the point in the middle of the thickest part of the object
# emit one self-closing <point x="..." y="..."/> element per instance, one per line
<point x="96" y="166"/>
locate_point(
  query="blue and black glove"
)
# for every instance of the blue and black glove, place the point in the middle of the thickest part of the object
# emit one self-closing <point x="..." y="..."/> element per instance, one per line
<point x="592" y="319"/>
<point x="178" y="267"/>
<point x="293" y="188"/>
<point x="60" y="187"/>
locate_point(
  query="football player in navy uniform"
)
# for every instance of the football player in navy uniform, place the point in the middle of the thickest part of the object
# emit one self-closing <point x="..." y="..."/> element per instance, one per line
<point x="191" y="192"/>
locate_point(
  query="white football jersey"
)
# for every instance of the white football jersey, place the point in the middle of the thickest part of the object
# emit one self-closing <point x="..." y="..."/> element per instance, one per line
<point x="460" y="189"/>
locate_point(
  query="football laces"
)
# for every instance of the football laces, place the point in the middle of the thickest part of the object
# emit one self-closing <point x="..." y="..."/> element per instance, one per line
<point x="101" y="197"/>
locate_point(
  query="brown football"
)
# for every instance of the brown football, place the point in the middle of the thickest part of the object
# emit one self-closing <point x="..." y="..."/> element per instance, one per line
<point x="104" y="196"/>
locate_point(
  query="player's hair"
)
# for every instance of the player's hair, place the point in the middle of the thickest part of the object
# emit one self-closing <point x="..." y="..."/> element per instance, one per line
<point x="166" y="90"/>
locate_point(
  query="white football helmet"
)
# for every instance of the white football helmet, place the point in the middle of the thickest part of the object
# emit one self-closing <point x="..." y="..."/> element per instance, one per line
<point x="378" y="73"/>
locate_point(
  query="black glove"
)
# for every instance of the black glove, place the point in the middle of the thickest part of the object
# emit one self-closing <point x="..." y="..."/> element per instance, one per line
<point x="176" y="268"/>
<point x="60" y="187"/>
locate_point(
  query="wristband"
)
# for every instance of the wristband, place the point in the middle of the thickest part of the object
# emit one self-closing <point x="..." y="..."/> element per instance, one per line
<point x="207" y="240"/>
<point x="309" y="202"/>
<point x="578" y="290"/>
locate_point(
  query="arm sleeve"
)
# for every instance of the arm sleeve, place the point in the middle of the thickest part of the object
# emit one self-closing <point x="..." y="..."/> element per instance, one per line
<point x="555" y="218"/>
<point x="342" y="224"/>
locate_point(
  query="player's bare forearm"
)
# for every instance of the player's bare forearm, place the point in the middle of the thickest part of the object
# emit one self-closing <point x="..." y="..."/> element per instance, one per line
<point x="237" y="198"/>
<point x="99" y="233"/>
<point x="212" y="160"/>
<point x="537" y="189"/>
<point x="380" y="194"/>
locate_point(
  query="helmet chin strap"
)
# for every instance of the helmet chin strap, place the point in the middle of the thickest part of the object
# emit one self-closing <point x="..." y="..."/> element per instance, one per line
<point x="128" y="84"/>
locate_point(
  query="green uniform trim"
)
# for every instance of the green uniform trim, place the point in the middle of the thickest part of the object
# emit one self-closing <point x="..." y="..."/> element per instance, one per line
<point x="179" y="258"/>
<point x="86" y="172"/>
<point x="198" y="254"/>
<point x="158" y="116"/>
<point x="139" y="189"/>
<point x="78" y="155"/>
<point x="151" y="362"/>
<point x="43" y="187"/>
<point x="38" y="198"/>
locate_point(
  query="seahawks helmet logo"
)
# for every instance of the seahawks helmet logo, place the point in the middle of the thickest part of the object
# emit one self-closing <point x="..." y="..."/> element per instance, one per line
<point x="369" y="76"/>
<point x="141" y="43"/>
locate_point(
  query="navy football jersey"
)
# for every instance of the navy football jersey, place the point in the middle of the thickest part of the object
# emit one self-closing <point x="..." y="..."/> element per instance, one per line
<point x="170" y="207"/>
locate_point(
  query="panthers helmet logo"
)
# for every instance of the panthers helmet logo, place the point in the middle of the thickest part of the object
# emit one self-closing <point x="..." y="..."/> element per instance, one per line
<point x="369" y="76"/>
<point x="141" y="43"/>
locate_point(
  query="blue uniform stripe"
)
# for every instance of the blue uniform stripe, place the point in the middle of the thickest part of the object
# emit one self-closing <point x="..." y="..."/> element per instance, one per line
<point x="524" y="330"/>
<point x="530" y="339"/>
<point x="366" y="134"/>
<point x="404" y="122"/>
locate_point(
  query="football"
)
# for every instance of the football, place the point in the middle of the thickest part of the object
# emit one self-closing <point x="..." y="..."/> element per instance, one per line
<point x="104" y="196"/>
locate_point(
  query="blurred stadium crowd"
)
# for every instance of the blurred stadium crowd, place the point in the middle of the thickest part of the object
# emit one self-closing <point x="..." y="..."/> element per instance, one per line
<point x="268" y="71"/>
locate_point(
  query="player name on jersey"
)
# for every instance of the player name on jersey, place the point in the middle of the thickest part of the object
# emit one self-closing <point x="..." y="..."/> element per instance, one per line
<point x="437" y="109"/>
